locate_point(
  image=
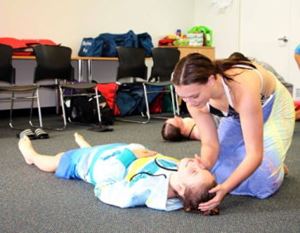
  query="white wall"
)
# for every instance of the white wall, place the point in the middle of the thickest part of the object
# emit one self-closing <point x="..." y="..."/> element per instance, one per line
<point x="68" y="21"/>
<point x="223" y="22"/>
<point x="232" y="31"/>
<point x="294" y="40"/>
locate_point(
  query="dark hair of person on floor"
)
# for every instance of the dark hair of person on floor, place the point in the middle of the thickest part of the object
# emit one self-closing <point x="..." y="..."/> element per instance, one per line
<point x="192" y="201"/>
<point x="170" y="132"/>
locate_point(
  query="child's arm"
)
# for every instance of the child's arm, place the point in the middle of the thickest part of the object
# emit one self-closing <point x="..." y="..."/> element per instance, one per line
<point x="147" y="191"/>
<point x="141" y="153"/>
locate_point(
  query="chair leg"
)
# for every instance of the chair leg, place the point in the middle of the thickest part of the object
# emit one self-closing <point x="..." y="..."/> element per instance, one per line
<point x="11" y="125"/>
<point x="63" y="108"/>
<point x="146" y="103"/>
<point x="11" y="110"/>
<point x="175" y="106"/>
<point x="39" y="107"/>
<point x="57" y="97"/>
<point x="98" y="106"/>
<point x="147" y="109"/>
<point x="35" y="95"/>
<point x="31" y="110"/>
<point x="173" y="100"/>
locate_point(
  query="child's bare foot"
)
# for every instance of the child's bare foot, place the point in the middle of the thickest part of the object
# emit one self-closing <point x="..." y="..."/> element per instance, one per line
<point x="25" y="146"/>
<point x="286" y="170"/>
<point x="79" y="139"/>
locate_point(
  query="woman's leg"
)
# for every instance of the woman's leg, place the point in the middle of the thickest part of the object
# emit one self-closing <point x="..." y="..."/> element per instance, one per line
<point x="80" y="140"/>
<point x="47" y="163"/>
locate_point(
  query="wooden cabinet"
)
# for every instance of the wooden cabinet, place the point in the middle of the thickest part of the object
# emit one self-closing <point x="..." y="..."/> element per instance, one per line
<point x="207" y="51"/>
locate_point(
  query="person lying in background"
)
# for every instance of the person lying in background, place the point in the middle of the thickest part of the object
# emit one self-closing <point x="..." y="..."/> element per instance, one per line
<point x="129" y="175"/>
<point x="181" y="128"/>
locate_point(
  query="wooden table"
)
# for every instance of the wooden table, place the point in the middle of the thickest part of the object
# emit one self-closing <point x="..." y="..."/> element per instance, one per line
<point x="79" y="60"/>
<point x="89" y="61"/>
<point x="185" y="50"/>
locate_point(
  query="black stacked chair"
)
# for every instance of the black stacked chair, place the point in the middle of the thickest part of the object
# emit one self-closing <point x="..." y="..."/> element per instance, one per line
<point x="164" y="62"/>
<point x="7" y="78"/>
<point x="54" y="64"/>
<point x="133" y="71"/>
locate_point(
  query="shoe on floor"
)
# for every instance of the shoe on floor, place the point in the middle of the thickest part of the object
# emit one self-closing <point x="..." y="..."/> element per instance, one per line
<point x="27" y="132"/>
<point x="101" y="128"/>
<point x="41" y="134"/>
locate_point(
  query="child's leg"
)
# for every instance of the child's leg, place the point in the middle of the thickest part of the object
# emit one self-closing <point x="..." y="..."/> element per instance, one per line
<point x="45" y="163"/>
<point x="79" y="139"/>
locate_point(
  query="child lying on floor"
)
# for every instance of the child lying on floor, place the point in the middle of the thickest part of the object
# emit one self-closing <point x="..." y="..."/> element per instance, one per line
<point x="128" y="175"/>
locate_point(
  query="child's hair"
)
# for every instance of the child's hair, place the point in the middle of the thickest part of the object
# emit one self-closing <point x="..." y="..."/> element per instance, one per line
<point x="192" y="199"/>
<point x="170" y="132"/>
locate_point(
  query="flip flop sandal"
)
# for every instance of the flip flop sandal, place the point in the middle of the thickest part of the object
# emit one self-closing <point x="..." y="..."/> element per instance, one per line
<point x="101" y="128"/>
<point x="41" y="134"/>
<point x="27" y="132"/>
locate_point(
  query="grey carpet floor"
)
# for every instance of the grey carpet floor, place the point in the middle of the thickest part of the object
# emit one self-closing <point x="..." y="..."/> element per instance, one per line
<point x="34" y="201"/>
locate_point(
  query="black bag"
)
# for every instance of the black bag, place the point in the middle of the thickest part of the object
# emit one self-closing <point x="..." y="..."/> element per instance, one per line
<point x="83" y="109"/>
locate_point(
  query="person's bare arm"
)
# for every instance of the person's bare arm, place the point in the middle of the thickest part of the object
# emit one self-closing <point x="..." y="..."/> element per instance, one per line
<point x="208" y="136"/>
<point x="251" y="117"/>
<point x="249" y="106"/>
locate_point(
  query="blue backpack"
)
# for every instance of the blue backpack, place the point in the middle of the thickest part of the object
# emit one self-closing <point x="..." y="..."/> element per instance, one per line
<point x="105" y="45"/>
<point x="145" y="42"/>
<point x="112" y="41"/>
<point x="91" y="47"/>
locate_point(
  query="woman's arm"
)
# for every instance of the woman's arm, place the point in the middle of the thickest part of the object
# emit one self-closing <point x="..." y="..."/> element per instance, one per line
<point x="248" y="104"/>
<point x="247" y="89"/>
<point x="208" y="136"/>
